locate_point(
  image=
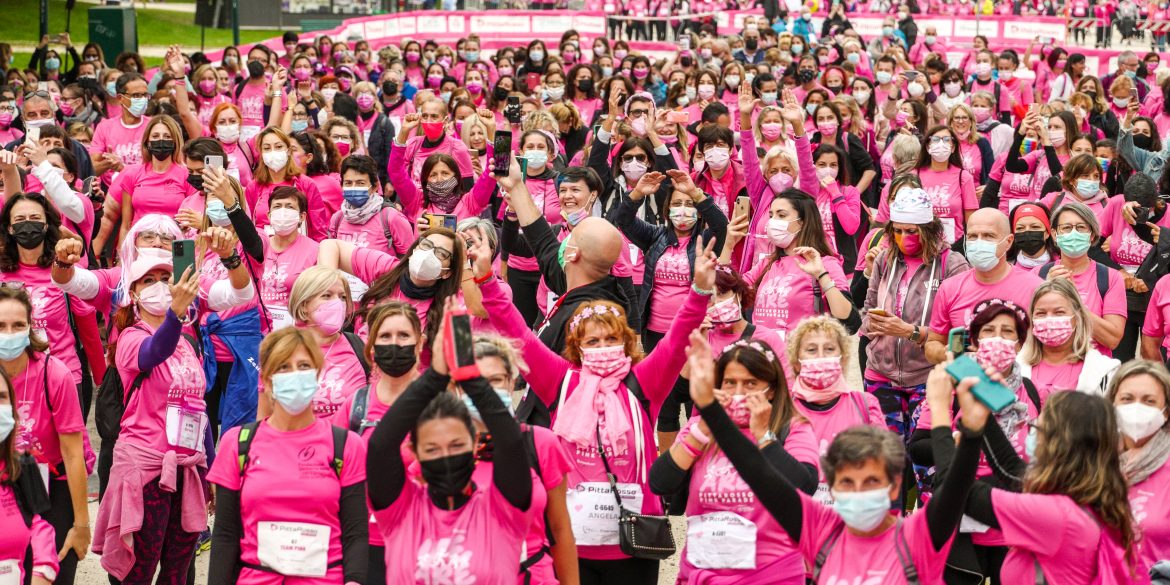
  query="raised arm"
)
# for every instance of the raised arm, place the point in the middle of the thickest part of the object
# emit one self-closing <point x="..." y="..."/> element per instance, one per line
<point x="510" y="466"/>
<point x="70" y="204"/>
<point x="408" y="193"/>
<point x="385" y="471"/>
<point x="638" y="231"/>
<point x="160" y="346"/>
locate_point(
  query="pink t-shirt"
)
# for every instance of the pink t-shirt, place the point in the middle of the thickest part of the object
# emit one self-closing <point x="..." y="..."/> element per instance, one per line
<point x="1050" y="378"/>
<point x="958" y="295"/>
<point x="858" y="559"/>
<point x="329" y="186"/>
<point x="1151" y="509"/>
<point x="720" y="498"/>
<point x="851" y="409"/>
<point x="41" y="422"/>
<point x="289" y="478"/>
<point x="16" y="538"/>
<point x="339" y="378"/>
<point x="177" y="384"/>
<point x="784" y="292"/>
<point x="115" y="137"/>
<point x="1125" y="247"/>
<point x="152" y="192"/>
<point x="372" y="234"/>
<point x="1097" y="208"/>
<point x="1157" y="323"/>
<point x="207" y="105"/>
<point x="478" y="543"/>
<point x="951" y="192"/>
<point x="1113" y="303"/>
<point x="50" y="315"/>
<point x="251" y="103"/>
<point x="672" y="278"/>
<point x="281" y="270"/>
<point x="1051" y="529"/>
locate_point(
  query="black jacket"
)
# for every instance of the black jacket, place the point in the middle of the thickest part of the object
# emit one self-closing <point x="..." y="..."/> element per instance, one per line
<point x="378" y="145"/>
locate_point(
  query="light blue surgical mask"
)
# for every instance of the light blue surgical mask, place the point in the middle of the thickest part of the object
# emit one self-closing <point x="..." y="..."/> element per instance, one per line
<point x="138" y="106"/>
<point x="356" y="196"/>
<point x="13" y="344"/>
<point x="1131" y="74"/>
<point x="607" y="71"/>
<point x="1030" y="444"/>
<point x="471" y="56"/>
<point x="300" y="125"/>
<point x="862" y="511"/>
<point x="505" y="397"/>
<point x="294" y="391"/>
<point x="854" y="58"/>
<point x="52" y="63"/>
<point x="536" y="158"/>
<point x="7" y="421"/>
<point x="1087" y="188"/>
<point x="112" y="88"/>
<point x="1074" y="244"/>
<point x="217" y="213"/>
<point x="445" y="96"/>
<point x="982" y="255"/>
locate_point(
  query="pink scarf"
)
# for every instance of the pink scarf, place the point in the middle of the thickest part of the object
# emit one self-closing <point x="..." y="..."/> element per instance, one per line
<point x="596" y="402"/>
<point x="799" y="390"/>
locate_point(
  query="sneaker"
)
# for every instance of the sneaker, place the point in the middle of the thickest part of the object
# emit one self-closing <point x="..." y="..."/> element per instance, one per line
<point x="204" y="544"/>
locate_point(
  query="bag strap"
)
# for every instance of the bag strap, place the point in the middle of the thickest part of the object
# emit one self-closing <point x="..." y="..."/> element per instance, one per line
<point x="826" y="548"/>
<point x="334" y="223"/>
<point x="339" y="437"/>
<point x="1102" y="280"/>
<point x="359" y="350"/>
<point x="748" y="331"/>
<point x="386" y="228"/>
<point x="1033" y="394"/>
<point x="1044" y="270"/>
<point x="608" y="473"/>
<point x="357" y="410"/>
<point x="247" y="434"/>
<point x="818" y="302"/>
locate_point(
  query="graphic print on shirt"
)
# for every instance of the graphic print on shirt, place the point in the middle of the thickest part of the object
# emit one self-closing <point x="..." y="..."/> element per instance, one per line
<point x="1132" y="250"/>
<point x="272" y="283"/>
<point x="330" y="386"/>
<point x="772" y="301"/>
<point x="39" y="297"/>
<point x="26" y="439"/>
<point x="673" y="267"/>
<point x="252" y="107"/>
<point x="444" y="562"/>
<point x="358" y="239"/>
<point x="130" y="153"/>
<point x="723" y="488"/>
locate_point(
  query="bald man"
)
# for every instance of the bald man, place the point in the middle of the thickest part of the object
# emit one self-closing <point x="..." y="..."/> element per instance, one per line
<point x="991" y="277"/>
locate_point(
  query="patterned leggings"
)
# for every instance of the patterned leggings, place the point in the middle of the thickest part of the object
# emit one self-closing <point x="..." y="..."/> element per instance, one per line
<point x="162" y="539"/>
<point x="900" y="405"/>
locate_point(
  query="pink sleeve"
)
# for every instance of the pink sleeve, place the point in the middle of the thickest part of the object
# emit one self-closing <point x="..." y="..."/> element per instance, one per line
<point x="97" y="146"/>
<point x="751" y="167"/>
<point x="353" y="469"/>
<point x="659" y="370"/>
<point x="802" y="443"/>
<point x="43" y="542"/>
<point x="66" y="408"/>
<point x="873" y="410"/>
<point x="1033" y="522"/>
<point x="462" y="158"/>
<point x="1154" y="325"/>
<point x="318" y="220"/>
<point x="399" y="173"/>
<point x="401" y="230"/>
<point x="1112" y="213"/>
<point x="883" y="210"/>
<point x="808" y="169"/>
<point x="118" y="187"/>
<point x="997" y="169"/>
<point x="544" y="379"/>
<point x="939" y="318"/>
<point x="251" y="194"/>
<point x="833" y="267"/>
<point x="847" y="207"/>
<point x="370" y="264"/>
<point x="225" y="470"/>
<point x="554" y="462"/>
<point x="757" y="272"/>
<point x="479" y="197"/>
<point x="1033" y="158"/>
<point x="1114" y="302"/>
<point x="340" y="417"/>
<point x="924" y="412"/>
<point x="967" y="188"/>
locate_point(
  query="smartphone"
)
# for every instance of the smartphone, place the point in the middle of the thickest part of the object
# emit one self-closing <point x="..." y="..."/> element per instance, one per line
<point x="911" y="75"/>
<point x="957" y="340"/>
<point x="32" y="134"/>
<point x="447" y="220"/>
<point x="213" y="161"/>
<point x="183" y="256"/>
<point x="459" y="345"/>
<point x="879" y="312"/>
<point x="995" y="395"/>
<point x="501" y="153"/>
<point x="685" y="43"/>
<point x="743" y="207"/>
<point x="533" y="80"/>
<point x="682" y="117"/>
<point x="512" y="112"/>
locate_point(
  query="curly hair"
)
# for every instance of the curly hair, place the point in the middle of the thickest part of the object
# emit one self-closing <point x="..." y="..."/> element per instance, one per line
<point x="612" y="317"/>
<point x="816" y="324"/>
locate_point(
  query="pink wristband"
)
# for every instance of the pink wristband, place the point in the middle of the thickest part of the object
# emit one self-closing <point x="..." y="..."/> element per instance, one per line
<point x="691" y="450"/>
<point x="698" y="434"/>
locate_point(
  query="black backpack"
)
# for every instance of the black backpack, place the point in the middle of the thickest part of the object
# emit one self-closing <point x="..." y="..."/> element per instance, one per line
<point x="113" y="397"/>
<point x="248" y="434"/>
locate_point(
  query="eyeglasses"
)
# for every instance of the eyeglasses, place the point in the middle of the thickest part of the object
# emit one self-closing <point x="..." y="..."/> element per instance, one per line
<point x="634" y="157"/>
<point x="137" y="96"/>
<point x="940" y="140"/>
<point x="639" y="113"/>
<point x="152" y="237"/>
<point x="40" y="93"/>
<point x="960" y="119"/>
<point x="339" y="137"/>
<point x="1068" y="228"/>
<point x="440" y="253"/>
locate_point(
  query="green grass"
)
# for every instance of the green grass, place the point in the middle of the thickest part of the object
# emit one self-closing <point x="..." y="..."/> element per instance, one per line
<point x="155" y="27"/>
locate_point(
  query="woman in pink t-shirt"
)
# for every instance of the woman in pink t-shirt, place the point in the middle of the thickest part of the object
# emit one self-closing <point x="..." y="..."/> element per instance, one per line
<point x="225" y="128"/>
<point x="52" y="429"/>
<point x="441" y="187"/>
<point x="1058" y="354"/>
<point x="18" y="536"/>
<point x="802" y="277"/>
<point x="279" y="169"/>
<point x="161" y="451"/>
<point x="287" y="253"/>
<point x="817" y="353"/>
<point x="444" y="527"/>
<point x="1075" y="229"/>
<point x="291" y="486"/>
<point x="1140" y="393"/>
<point x="157" y="185"/>
<point x="752" y="547"/>
<point x="949" y="185"/>
<point x="1080" y="183"/>
<point x="317" y="155"/>
<point x="857" y="537"/>
<point x="725" y="323"/>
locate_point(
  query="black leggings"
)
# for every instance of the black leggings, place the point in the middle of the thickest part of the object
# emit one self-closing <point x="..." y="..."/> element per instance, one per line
<point x="618" y="572"/>
<point x="1130" y="338"/>
<point x="60" y="517"/>
<point x="524" y="285"/>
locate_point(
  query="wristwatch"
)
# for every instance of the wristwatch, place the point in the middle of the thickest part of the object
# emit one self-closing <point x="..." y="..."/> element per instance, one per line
<point x="916" y="335"/>
<point x="769" y="437"/>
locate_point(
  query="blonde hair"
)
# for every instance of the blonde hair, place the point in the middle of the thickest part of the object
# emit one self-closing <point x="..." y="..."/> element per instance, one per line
<point x="368" y="87"/>
<point x="279" y="346"/>
<point x="263" y="174"/>
<point x="311" y="283"/>
<point x="1082" y="339"/>
<point x="176" y="137"/>
<point x="355" y="135"/>
<point x="856" y="119"/>
<point x="566" y="113"/>
<point x="488" y="345"/>
<point x="470" y="123"/>
<point x="973" y="135"/>
<point x="816" y="324"/>
<point x="757" y="126"/>
<point x="541" y="119"/>
<point x="778" y="152"/>
<point x="906" y="150"/>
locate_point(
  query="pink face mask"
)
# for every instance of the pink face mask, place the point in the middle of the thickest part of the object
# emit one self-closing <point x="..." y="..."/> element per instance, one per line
<point x="604" y="361"/>
<point x="342" y="148"/>
<point x="739" y="411"/>
<point x="329" y="316"/>
<point x="780" y="182"/>
<point x="365" y="101"/>
<point x="5" y="119"/>
<point x="982" y="114"/>
<point x="1053" y="331"/>
<point x="778" y="232"/>
<point x="900" y="118"/>
<point x="771" y="131"/>
<point x="827" y="128"/>
<point x="474" y="86"/>
<point x="725" y="313"/>
<point x="996" y="353"/>
<point x="638" y="126"/>
<point x="820" y="373"/>
<point x="826" y="172"/>
<point x="207" y="86"/>
<point x="302" y="74"/>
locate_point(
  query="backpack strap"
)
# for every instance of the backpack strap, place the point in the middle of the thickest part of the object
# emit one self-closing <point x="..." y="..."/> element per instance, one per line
<point x="247" y="434"/>
<point x="386" y="227"/>
<point x="530" y="448"/>
<point x="748" y="331"/>
<point x="339" y="437"/>
<point x="334" y="223"/>
<point x="1044" y="270"/>
<point x="903" y="550"/>
<point x="826" y="548"/>
<point x="635" y="387"/>
<point x="1033" y="394"/>
<point x="357" y="410"/>
<point x="359" y="349"/>
<point x="1102" y="280"/>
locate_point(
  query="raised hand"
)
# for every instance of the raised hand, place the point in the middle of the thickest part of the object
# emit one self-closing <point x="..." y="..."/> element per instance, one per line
<point x="702" y="367"/>
<point x="705" y="263"/>
<point x="184" y="291"/>
<point x="809" y="260"/>
<point x="647" y="185"/>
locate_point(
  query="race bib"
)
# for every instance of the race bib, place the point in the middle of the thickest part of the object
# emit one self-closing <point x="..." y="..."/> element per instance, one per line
<point x="550" y="300"/>
<point x="594" y="512"/>
<point x="293" y="549"/>
<point x="948" y="224"/>
<point x="1014" y="203"/>
<point x="969" y="525"/>
<point x="721" y="540"/>
<point x="823" y="495"/>
<point x="186" y="424"/>
<point x="357" y="288"/>
<point x="10" y="572"/>
<point x="633" y="254"/>
<point x="280" y="317"/>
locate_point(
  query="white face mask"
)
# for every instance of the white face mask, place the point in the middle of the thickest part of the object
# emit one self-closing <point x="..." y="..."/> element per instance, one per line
<point x="228" y="133"/>
<point x="425" y="265"/>
<point x="276" y="159"/>
<point x="1138" y="421"/>
<point x="284" y="220"/>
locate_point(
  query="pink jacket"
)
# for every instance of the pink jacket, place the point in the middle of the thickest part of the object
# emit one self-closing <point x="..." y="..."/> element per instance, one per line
<point x="411" y="196"/>
<point x="121" y="511"/>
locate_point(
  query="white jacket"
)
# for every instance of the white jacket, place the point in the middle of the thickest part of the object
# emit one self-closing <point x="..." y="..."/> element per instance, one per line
<point x="1096" y="372"/>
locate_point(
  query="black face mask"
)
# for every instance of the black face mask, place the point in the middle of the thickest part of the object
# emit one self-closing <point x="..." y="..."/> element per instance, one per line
<point x="255" y="69"/>
<point x="806" y="75"/>
<point x="395" y="360"/>
<point x="29" y="234"/>
<point x="1092" y="95"/>
<point x="751" y="44"/>
<point x="835" y="88"/>
<point x="448" y="477"/>
<point x="686" y="60"/>
<point x="585" y="85"/>
<point x="161" y="149"/>
<point x="196" y="182"/>
<point x="500" y="93"/>
<point x="390" y="87"/>
<point x="1030" y="243"/>
<point x="1142" y="141"/>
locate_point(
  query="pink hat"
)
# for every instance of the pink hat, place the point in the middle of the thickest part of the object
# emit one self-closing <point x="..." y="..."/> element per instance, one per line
<point x="149" y="259"/>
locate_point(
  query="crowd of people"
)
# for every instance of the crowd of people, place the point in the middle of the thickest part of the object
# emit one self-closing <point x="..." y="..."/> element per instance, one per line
<point x="773" y="284"/>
